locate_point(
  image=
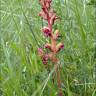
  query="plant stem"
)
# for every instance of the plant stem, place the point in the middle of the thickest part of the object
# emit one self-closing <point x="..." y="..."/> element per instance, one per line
<point x="59" y="82"/>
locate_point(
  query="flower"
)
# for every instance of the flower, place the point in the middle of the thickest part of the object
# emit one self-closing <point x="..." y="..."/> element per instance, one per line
<point x="45" y="59"/>
<point x="53" y="17"/>
<point x="43" y="15"/>
<point x="48" y="14"/>
<point x="43" y="56"/>
<point x="56" y="34"/>
<point x="48" y="46"/>
<point x="59" y="47"/>
<point x="46" y="31"/>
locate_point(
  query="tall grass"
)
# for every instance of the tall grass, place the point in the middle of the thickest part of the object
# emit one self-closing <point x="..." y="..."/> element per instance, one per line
<point x="21" y="70"/>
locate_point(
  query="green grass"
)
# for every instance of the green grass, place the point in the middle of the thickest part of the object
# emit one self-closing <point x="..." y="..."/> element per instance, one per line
<point x="21" y="70"/>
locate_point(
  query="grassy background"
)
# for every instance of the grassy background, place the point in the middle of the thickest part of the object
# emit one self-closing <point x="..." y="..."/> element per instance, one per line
<point x="21" y="70"/>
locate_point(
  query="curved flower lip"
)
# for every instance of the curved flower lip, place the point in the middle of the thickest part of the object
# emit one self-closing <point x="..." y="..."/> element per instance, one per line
<point x="48" y="46"/>
<point x="56" y="34"/>
<point x="53" y="17"/>
<point x="59" y="47"/>
<point x="46" y="31"/>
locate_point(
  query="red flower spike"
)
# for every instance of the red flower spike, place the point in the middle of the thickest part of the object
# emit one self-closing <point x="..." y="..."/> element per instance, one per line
<point x="46" y="31"/>
<point x="59" y="47"/>
<point x="49" y="15"/>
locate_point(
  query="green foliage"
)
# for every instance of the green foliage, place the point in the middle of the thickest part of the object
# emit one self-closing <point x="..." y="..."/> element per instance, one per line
<point x="21" y="70"/>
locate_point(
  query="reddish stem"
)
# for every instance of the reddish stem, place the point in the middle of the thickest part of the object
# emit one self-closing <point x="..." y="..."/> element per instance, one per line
<point x="59" y="82"/>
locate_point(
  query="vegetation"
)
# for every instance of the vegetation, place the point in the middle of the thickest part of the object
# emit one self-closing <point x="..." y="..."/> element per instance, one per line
<point x="21" y="70"/>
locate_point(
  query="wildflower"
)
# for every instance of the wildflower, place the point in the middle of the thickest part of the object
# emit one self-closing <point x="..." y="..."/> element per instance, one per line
<point x="48" y="14"/>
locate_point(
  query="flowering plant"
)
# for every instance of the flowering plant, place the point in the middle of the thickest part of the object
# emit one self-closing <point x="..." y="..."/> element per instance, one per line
<point x="48" y="14"/>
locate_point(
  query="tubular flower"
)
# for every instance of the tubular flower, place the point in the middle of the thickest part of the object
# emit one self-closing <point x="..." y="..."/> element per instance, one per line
<point x="53" y="17"/>
<point x="59" y="47"/>
<point x="56" y="34"/>
<point x="48" y="46"/>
